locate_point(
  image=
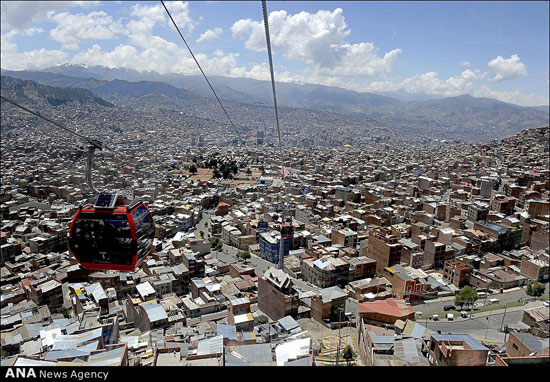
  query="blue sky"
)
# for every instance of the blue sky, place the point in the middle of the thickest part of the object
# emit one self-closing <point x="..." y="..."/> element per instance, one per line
<point x="486" y="49"/>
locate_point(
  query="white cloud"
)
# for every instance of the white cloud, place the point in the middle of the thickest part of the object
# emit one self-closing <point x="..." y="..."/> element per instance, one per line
<point x="430" y="83"/>
<point x="506" y="69"/>
<point x="72" y="29"/>
<point x="20" y="14"/>
<point x="318" y="40"/>
<point x="210" y="34"/>
<point x="465" y="63"/>
<point x="35" y="59"/>
<point x="513" y="96"/>
<point x="31" y="60"/>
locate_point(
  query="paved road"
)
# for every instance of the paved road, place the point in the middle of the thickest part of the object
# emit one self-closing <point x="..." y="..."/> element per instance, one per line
<point x="481" y="328"/>
<point x="202" y="225"/>
<point x="436" y="306"/>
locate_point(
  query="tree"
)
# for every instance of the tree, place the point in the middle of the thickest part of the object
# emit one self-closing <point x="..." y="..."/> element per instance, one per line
<point x="468" y="295"/>
<point x="459" y="301"/>
<point x="193" y="169"/>
<point x="245" y="255"/>
<point x="64" y="311"/>
<point x="535" y="289"/>
<point x="214" y="242"/>
<point x="260" y="320"/>
<point x="216" y="173"/>
<point x="348" y="354"/>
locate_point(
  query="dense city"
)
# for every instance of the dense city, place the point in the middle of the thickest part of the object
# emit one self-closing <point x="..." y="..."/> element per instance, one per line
<point x="419" y="253"/>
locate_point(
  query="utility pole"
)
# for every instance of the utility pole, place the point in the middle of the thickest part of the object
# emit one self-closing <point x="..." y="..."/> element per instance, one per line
<point x="503" y="316"/>
<point x="487" y="330"/>
<point x="339" y="326"/>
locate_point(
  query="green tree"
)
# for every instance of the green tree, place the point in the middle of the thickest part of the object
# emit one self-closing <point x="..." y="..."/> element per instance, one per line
<point x="535" y="289"/>
<point x="214" y="242"/>
<point x="245" y="255"/>
<point x="468" y="295"/>
<point x="260" y="320"/>
<point x="64" y="311"/>
<point x="193" y="169"/>
<point x="459" y="301"/>
<point x="216" y="173"/>
<point x="348" y="354"/>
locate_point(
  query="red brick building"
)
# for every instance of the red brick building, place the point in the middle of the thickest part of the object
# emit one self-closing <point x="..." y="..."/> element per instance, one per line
<point x="457" y="272"/>
<point x="455" y="350"/>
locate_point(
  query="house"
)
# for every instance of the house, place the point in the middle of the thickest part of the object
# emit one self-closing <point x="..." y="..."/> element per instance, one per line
<point x="455" y="350"/>
<point x="329" y="305"/>
<point x="277" y="297"/>
<point x="385" y="311"/>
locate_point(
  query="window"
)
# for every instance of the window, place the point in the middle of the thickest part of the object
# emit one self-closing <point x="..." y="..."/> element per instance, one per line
<point x="145" y="230"/>
<point x="102" y="238"/>
<point x="515" y="346"/>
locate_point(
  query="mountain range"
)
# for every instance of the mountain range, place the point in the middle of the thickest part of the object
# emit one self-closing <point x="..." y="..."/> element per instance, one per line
<point x="462" y="118"/>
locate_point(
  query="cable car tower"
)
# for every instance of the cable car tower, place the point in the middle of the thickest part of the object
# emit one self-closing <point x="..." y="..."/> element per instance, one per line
<point x="287" y="230"/>
<point x="112" y="233"/>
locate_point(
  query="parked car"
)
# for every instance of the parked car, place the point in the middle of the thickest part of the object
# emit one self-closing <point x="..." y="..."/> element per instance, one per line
<point x="478" y="305"/>
<point x="435" y="317"/>
<point x="546" y="303"/>
<point x="449" y="307"/>
<point x="464" y="314"/>
<point x="450" y="316"/>
<point x="494" y="301"/>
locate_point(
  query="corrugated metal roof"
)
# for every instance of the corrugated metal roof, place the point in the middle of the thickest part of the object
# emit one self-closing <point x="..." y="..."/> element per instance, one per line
<point x="155" y="312"/>
<point x="254" y="353"/>
<point x="240" y="301"/>
<point x="292" y="350"/>
<point x="145" y="289"/>
<point x="288" y="323"/>
<point x="212" y="345"/>
<point x="74" y="340"/>
<point x="96" y="290"/>
<point x="24" y="361"/>
<point x="227" y="331"/>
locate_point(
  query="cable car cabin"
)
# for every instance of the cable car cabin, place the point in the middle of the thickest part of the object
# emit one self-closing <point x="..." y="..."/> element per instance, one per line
<point x="112" y="234"/>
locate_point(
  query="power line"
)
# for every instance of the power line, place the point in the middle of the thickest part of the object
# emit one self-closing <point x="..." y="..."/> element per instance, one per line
<point x="94" y="142"/>
<point x="204" y="75"/>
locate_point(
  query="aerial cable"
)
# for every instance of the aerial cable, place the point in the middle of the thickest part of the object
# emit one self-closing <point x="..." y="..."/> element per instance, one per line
<point x="267" y="38"/>
<point x="97" y="144"/>
<point x="204" y="75"/>
<point x="94" y="144"/>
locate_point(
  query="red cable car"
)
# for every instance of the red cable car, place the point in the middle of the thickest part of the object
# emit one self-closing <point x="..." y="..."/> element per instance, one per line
<point x="112" y="234"/>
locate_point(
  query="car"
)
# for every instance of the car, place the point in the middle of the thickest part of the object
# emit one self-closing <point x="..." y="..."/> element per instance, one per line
<point x="478" y="305"/>
<point x="435" y="317"/>
<point x="449" y="307"/>
<point x="546" y="303"/>
<point x="464" y="314"/>
<point x="450" y="317"/>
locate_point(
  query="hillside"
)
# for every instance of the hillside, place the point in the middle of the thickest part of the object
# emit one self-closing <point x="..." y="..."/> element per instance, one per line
<point x="463" y="118"/>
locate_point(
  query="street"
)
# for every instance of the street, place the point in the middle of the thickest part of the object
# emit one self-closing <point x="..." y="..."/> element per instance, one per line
<point x="436" y="306"/>
<point x="480" y="327"/>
